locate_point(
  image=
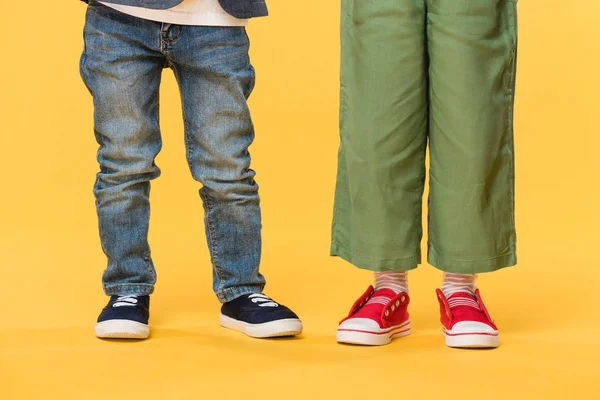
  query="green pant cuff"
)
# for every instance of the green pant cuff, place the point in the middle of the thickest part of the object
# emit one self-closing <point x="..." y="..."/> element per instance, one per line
<point x="371" y="264"/>
<point x="470" y="266"/>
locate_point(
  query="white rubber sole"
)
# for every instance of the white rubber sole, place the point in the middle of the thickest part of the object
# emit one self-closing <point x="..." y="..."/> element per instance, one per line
<point x="472" y="340"/>
<point x="280" y="328"/>
<point x="373" y="338"/>
<point x="121" y="329"/>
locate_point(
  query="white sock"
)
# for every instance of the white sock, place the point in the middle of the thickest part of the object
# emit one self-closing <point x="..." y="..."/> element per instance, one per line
<point x="396" y="281"/>
<point x="454" y="283"/>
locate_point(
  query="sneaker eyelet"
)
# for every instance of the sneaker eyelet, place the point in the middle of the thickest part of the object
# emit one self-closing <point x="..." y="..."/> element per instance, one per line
<point x="393" y="308"/>
<point x="397" y="303"/>
<point x="387" y="313"/>
<point x="403" y="298"/>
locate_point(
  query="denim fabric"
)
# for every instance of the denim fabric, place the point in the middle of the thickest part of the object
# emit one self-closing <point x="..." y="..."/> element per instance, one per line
<point x="121" y="65"/>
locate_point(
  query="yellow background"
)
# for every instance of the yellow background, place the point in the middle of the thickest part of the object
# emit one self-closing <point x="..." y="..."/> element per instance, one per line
<point x="51" y="262"/>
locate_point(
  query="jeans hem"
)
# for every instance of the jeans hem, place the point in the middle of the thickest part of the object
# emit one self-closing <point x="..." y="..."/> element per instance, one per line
<point x="138" y="289"/>
<point x="470" y="266"/>
<point x="362" y="262"/>
<point x="226" y="295"/>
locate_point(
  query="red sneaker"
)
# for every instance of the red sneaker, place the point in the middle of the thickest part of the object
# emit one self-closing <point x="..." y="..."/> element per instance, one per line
<point x="376" y="318"/>
<point x="466" y="322"/>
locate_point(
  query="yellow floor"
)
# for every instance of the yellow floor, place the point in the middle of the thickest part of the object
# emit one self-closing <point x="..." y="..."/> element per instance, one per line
<point x="547" y="307"/>
<point x="550" y="336"/>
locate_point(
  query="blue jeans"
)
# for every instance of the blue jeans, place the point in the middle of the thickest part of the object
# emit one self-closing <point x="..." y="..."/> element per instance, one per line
<point x="121" y="66"/>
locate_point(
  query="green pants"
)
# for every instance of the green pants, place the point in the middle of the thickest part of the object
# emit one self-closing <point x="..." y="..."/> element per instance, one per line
<point x="415" y="72"/>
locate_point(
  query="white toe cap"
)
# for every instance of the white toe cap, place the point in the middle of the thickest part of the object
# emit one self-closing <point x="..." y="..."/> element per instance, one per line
<point x="472" y="327"/>
<point x="361" y="324"/>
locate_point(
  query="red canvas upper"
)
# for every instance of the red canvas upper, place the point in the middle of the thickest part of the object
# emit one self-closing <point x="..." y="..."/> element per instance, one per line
<point x="383" y="306"/>
<point x="461" y="307"/>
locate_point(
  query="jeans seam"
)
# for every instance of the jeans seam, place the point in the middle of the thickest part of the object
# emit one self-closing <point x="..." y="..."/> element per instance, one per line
<point x="83" y="59"/>
<point x="186" y="125"/>
<point x="82" y="67"/>
<point x="253" y="83"/>
<point x="213" y="243"/>
<point x="149" y="265"/>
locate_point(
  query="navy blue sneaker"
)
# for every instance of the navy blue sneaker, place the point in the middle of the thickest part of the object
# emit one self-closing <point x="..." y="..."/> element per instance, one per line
<point x="259" y="316"/>
<point x="124" y="317"/>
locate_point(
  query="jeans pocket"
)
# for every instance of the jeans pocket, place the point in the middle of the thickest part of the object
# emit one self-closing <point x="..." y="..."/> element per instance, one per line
<point x="477" y="17"/>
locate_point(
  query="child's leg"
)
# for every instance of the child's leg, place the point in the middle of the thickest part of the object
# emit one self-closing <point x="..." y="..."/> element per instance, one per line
<point x="383" y="129"/>
<point x="215" y="77"/>
<point x="381" y="172"/>
<point x="122" y="69"/>
<point x="472" y="47"/>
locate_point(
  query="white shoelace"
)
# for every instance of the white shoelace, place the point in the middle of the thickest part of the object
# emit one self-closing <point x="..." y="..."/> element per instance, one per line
<point x="126" y="301"/>
<point x="262" y="300"/>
